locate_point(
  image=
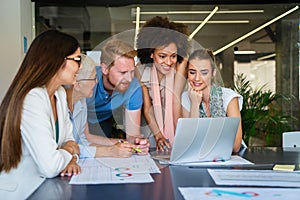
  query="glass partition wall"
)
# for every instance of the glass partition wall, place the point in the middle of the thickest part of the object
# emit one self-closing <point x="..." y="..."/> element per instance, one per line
<point x="258" y="42"/>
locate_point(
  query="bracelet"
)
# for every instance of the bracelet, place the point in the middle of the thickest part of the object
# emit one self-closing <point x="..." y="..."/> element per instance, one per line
<point x="75" y="155"/>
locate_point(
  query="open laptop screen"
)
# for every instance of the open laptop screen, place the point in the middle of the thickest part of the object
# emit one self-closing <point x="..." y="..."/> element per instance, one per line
<point x="202" y="139"/>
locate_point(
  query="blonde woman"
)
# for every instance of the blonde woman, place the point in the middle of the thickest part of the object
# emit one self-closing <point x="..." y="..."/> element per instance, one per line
<point x="204" y="97"/>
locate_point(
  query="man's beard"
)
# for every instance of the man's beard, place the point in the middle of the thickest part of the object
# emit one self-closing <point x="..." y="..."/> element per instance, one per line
<point x="113" y="85"/>
<point x="116" y="87"/>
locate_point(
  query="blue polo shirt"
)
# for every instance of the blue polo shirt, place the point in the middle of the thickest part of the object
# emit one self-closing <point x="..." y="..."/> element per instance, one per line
<point x="101" y="104"/>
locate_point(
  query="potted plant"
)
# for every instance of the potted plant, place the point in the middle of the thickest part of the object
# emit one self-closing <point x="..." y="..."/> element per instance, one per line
<point x="261" y="113"/>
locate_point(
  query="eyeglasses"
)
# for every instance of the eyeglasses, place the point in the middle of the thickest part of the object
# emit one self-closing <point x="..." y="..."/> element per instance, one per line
<point x="88" y="79"/>
<point x="76" y="59"/>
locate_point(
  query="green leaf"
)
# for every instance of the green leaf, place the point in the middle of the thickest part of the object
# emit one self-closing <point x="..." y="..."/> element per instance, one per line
<point x="261" y="112"/>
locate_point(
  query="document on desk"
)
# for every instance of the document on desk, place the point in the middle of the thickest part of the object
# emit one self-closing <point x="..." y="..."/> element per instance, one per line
<point x="104" y="175"/>
<point x="255" y="177"/>
<point x="234" y="160"/>
<point x="133" y="164"/>
<point x="135" y="169"/>
<point x="195" y="193"/>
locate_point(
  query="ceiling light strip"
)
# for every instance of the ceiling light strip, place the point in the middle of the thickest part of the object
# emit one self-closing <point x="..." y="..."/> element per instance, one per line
<point x="204" y="22"/>
<point x="244" y="52"/>
<point x="137" y="25"/>
<point x="239" y="11"/>
<point x="215" y="22"/>
<point x="155" y="13"/>
<point x="209" y="22"/>
<point x="200" y="12"/>
<point x="256" y="30"/>
<point x="267" y="56"/>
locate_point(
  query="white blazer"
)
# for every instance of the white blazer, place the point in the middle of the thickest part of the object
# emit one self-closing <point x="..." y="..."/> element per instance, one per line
<point x="40" y="152"/>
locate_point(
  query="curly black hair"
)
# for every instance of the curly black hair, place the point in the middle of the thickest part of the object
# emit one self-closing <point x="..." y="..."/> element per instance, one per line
<point x="157" y="32"/>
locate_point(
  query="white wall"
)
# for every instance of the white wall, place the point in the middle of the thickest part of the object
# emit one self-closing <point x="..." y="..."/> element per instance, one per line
<point x="16" y="22"/>
<point x="259" y="73"/>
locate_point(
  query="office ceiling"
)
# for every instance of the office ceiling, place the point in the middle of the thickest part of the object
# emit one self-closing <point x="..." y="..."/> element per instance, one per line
<point x="171" y="2"/>
<point x="92" y="21"/>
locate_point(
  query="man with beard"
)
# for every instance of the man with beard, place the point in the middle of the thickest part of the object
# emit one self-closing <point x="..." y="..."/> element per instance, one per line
<point x="116" y="88"/>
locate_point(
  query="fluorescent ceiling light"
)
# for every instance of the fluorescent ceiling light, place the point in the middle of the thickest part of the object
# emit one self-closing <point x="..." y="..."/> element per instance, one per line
<point x="209" y="22"/>
<point x="267" y="56"/>
<point x="244" y="52"/>
<point x="255" y="30"/>
<point x="203" y="23"/>
<point x="239" y="11"/>
<point x="137" y="25"/>
<point x="217" y="22"/>
<point x="200" y="12"/>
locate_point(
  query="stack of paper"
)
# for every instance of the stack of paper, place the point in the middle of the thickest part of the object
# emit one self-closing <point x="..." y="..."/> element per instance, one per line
<point x="255" y="177"/>
<point x="135" y="169"/>
<point x="195" y="193"/>
<point x="233" y="161"/>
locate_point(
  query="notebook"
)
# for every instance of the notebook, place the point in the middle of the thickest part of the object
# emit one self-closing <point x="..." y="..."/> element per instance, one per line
<point x="200" y="140"/>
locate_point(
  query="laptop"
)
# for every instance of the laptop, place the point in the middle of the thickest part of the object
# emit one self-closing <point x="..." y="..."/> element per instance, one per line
<point x="201" y="140"/>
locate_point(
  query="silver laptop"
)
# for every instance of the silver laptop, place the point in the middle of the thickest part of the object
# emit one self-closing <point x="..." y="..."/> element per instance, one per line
<point x="200" y="140"/>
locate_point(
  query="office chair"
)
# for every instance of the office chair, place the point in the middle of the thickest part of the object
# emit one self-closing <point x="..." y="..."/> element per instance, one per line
<point x="291" y="140"/>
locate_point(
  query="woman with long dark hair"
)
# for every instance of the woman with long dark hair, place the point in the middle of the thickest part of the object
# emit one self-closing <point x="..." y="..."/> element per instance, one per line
<point x="35" y="131"/>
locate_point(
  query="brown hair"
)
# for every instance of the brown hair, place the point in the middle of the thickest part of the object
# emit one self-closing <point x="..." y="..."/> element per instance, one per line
<point x="114" y="49"/>
<point x="42" y="61"/>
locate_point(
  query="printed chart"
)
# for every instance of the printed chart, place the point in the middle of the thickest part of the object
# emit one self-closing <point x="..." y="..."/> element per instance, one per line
<point x="193" y="193"/>
<point x="135" y="169"/>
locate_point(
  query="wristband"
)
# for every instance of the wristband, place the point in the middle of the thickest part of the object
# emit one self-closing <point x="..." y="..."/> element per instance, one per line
<point x="75" y="155"/>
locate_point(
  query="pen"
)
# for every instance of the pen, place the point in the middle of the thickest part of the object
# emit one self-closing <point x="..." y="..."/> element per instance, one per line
<point x="137" y="150"/>
<point x="236" y="166"/>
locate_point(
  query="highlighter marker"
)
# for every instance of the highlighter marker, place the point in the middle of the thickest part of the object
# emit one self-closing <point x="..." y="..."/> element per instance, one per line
<point x="137" y="150"/>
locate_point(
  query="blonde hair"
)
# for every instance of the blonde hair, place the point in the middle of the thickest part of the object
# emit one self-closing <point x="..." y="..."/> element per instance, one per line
<point x="114" y="49"/>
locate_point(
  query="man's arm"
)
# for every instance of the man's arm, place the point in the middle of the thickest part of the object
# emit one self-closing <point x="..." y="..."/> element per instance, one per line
<point x="132" y="123"/>
<point x="96" y="139"/>
<point x="132" y="128"/>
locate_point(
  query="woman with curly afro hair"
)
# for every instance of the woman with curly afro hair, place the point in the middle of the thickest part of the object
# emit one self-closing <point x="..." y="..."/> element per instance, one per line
<point x="162" y="48"/>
